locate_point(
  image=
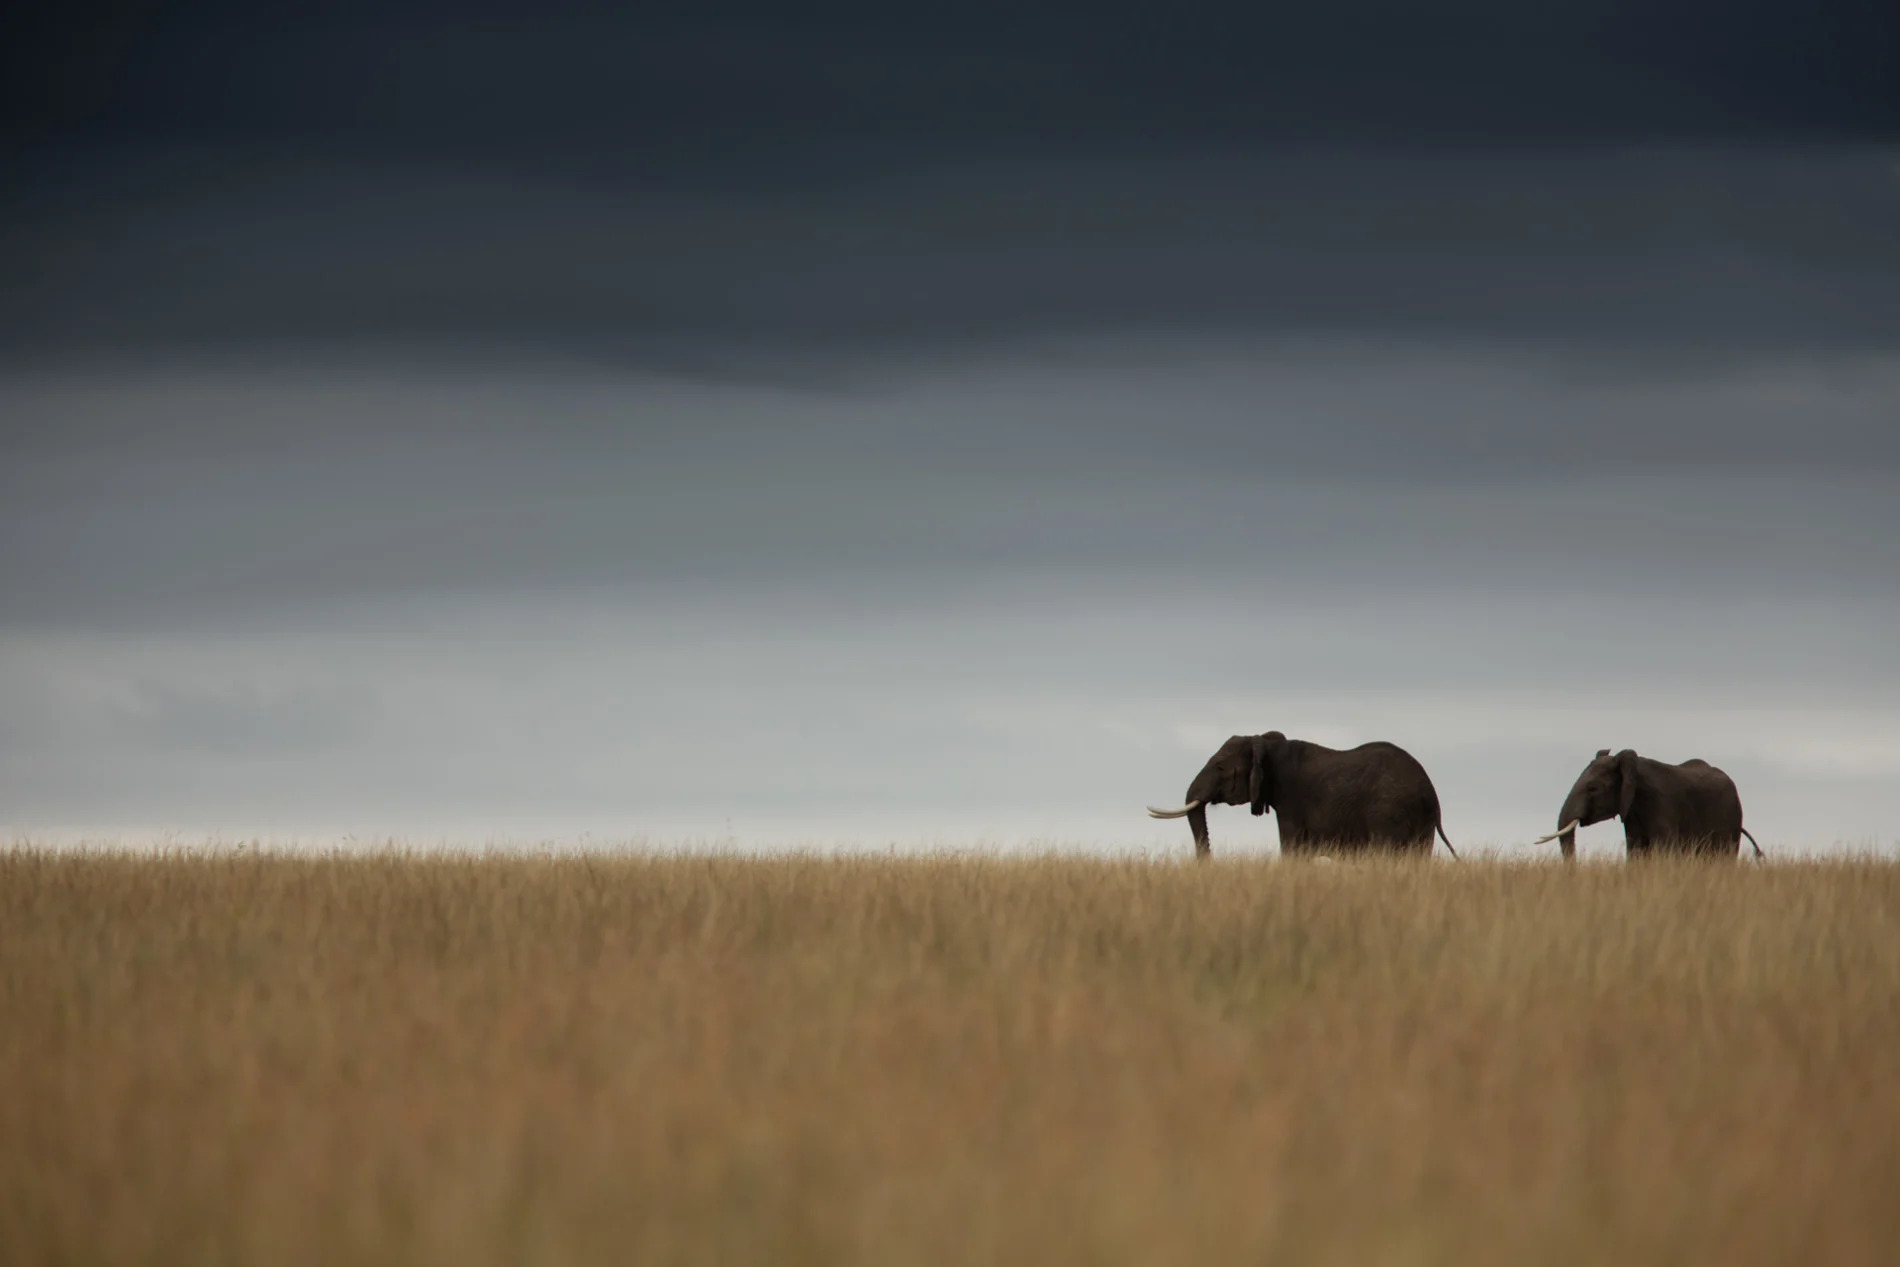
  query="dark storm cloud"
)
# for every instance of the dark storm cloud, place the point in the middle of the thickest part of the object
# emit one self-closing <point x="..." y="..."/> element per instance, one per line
<point x="731" y="189"/>
<point x="547" y="79"/>
<point x="1669" y="253"/>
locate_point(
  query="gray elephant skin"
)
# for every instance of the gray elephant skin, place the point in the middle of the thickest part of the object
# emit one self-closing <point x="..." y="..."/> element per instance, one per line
<point x="1692" y="808"/>
<point x="1375" y="797"/>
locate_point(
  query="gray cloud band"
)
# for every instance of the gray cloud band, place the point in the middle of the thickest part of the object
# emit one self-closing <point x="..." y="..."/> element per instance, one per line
<point x="1660" y="255"/>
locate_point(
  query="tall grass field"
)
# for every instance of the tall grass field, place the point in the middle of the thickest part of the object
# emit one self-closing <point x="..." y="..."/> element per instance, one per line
<point x="458" y="1061"/>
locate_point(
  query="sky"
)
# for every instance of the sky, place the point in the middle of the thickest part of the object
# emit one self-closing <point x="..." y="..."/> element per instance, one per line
<point x="865" y="424"/>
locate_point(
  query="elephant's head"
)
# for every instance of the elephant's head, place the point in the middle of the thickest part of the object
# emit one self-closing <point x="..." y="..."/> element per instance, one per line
<point x="1605" y="789"/>
<point x="1240" y="773"/>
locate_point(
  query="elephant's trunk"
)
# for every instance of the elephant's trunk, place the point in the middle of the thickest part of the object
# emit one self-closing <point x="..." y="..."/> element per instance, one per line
<point x="1197" y="823"/>
<point x="1567" y="820"/>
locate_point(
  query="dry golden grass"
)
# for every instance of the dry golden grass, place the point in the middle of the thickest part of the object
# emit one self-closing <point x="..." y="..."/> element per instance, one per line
<point x="433" y="1060"/>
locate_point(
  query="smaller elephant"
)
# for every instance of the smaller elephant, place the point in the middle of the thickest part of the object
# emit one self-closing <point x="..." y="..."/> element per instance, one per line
<point x="1692" y="808"/>
<point x="1373" y="797"/>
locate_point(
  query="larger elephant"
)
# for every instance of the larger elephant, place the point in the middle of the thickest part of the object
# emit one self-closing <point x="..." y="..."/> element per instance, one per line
<point x="1373" y="797"/>
<point x="1692" y="808"/>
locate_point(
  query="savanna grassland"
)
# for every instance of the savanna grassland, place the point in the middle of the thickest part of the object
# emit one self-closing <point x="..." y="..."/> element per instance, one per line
<point x="230" y="1059"/>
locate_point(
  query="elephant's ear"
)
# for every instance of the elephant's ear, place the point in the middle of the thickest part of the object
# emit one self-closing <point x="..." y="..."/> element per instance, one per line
<point x="1626" y="772"/>
<point x="1258" y="784"/>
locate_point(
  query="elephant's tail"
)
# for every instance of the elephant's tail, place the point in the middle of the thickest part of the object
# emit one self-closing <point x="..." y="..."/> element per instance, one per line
<point x="1751" y="840"/>
<point x="1454" y="853"/>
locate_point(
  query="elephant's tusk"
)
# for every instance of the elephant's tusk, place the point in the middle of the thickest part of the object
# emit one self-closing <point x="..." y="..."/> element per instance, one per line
<point x="1183" y="812"/>
<point x="1570" y="826"/>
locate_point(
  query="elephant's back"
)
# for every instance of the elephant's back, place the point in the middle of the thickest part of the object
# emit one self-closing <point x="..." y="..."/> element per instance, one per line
<point x="1396" y="760"/>
<point x="1382" y="775"/>
<point x="1714" y="779"/>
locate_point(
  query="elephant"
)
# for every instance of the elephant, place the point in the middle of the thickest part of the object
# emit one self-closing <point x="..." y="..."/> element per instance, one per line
<point x="1373" y="797"/>
<point x="1692" y="808"/>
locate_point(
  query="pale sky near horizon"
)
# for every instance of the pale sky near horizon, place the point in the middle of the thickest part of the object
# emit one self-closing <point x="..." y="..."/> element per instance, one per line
<point x="848" y="441"/>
